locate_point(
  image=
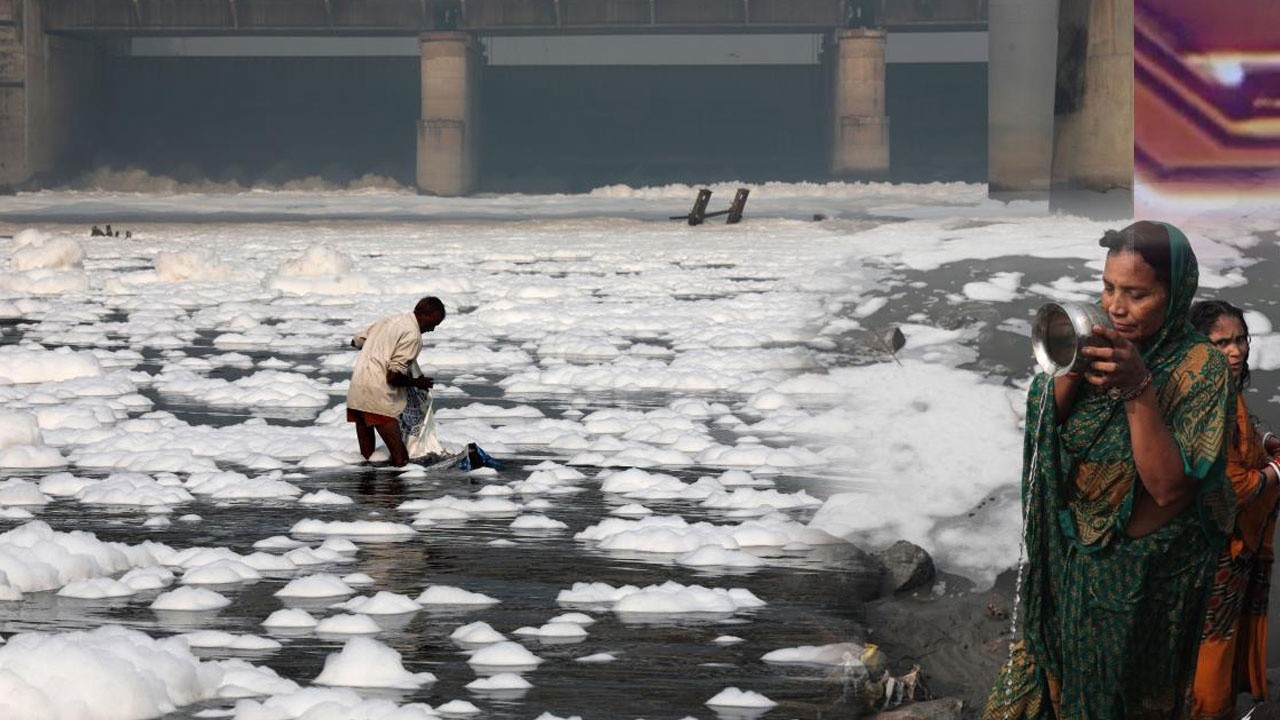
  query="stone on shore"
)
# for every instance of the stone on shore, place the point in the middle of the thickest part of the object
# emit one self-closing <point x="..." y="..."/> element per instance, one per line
<point x="907" y="567"/>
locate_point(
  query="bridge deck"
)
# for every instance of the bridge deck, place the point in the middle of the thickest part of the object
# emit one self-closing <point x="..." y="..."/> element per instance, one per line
<point x="492" y="17"/>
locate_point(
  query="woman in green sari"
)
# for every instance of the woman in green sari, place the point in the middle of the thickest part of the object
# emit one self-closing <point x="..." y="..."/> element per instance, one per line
<point x="1126" y="501"/>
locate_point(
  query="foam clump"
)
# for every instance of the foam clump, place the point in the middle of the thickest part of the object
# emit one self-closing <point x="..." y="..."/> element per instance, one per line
<point x="715" y="556"/>
<point x="41" y="252"/>
<point x="321" y="585"/>
<point x="221" y="572"/>
<point x="19" y="428"/>
<point x="448" y="595"/>
<point x="216" y="639"/>
<point x="325" y="497"/>
<point x="180" y="265"/>
<point x="734" y="698"/>
<point x="42" y="264"/>
<point x="116" y="669"/>
<point x="27" y="365"/>
<point x="290" y="619"/>
<point x="457" y="707"/>
<point x="190" y="599"/>
<point x="16" y="491"/>
<point x="499" y="681"/>
<point x="316" y="261"/>
<point x="364" y="662"/>
<point x="348" y="625"/>
<point x="319" y="269"/>
<point x="833" y="654"/>
<point x="133" y="489"/>
<point x="476" y="633"/>
<point x="554" y="630"/>
<point x="668" y="598"/>
<point x="323" y="703"/>
<point x="34" y="557"/>
<point x="96" y="589"/>
<point x="31" y="457"/>
<point x="382" y="603"/>
<point x="673" y="598"/>
<point x="537" y="522"/>
<point x="368" y="530"/>
<point x="504" y="654"/>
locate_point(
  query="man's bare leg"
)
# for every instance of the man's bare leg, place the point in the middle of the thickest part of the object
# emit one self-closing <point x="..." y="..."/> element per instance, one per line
<point x="364" y="434"/>
<point x="390" y="435"/>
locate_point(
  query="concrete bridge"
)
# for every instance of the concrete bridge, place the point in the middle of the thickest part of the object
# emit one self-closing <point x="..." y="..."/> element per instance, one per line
<point x="51" y="52"/>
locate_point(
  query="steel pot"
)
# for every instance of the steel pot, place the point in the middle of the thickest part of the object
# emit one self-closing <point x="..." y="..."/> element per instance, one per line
<point x="1061" y="330"/>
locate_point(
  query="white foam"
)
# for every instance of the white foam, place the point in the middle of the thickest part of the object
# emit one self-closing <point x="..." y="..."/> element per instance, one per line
<point x="732" y="697"/>
<point x="34" y="557"/>
<point x="216" y="639"/>
<point x="317" y="703"/>
<point x="476" y="633"/>
<point x="364" y="662"/>
<point x="290" y="618"/>
<point x="553" y="630"/>
<point x="321" y="585"/>
<point x="382" y="603"/>
<point x="504" y="654"/>
<point x="537" y="522"/>
<point x="447" y="595"/>
<point x="348" y="625"/>
<point x="833" y="654"/>
<point x="122" y="672"/>
<point x="366" y="530"/>
<point x="499" y="681"/>
<point x="190" y="599"/>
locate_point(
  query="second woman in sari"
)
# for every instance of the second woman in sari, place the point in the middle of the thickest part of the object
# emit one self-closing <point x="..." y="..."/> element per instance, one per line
<point x="1233" y="645"/>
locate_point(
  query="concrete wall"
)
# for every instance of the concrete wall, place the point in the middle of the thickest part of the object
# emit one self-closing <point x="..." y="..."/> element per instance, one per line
<point x="860" y="128"/>
<point x="48" y="91"/>
<point x="15" y="100"/>
<point x="1093" y="106"/>
<point x="449" y="131"/>
<point x="1021" y="68"/>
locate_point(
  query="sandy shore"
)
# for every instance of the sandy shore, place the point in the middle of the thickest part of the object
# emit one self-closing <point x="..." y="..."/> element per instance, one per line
<point x="950" y="632"/>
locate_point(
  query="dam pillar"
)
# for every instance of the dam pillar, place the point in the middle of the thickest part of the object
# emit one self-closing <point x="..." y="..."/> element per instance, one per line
<point x="47" y="88"/>
<point x="1022" y="59"/>
<point x="860" y="129"/>
<point x="448" y="131"/>
<point x="1093" y="112"/>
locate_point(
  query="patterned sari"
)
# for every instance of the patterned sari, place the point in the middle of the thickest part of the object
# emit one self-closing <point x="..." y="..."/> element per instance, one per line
<point x="1113" y="622"/>
<point x="1233" y="644"/>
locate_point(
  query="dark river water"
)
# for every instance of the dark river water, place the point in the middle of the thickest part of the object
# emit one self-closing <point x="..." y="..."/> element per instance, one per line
<point x="666" y="666"/>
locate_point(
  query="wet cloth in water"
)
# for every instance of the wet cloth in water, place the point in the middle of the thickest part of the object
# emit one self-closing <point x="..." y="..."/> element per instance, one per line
<point x="1113" y="622"/>
<point x="418" y="426"/>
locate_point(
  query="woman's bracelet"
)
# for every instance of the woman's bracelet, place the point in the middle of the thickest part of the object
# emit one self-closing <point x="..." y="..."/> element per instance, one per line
<point x="1133" y="392"/>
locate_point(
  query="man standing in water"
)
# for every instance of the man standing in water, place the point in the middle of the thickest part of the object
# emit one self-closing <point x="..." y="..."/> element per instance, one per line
<point x="384" y="369"/>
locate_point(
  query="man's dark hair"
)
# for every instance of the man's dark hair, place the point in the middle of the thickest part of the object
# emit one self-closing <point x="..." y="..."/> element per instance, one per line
<point x="429" y="305"/>
<point x="1149" y="240"/>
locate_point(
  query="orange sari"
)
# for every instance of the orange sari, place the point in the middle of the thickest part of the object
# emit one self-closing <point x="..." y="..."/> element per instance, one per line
<point x="1233" y="645"/>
